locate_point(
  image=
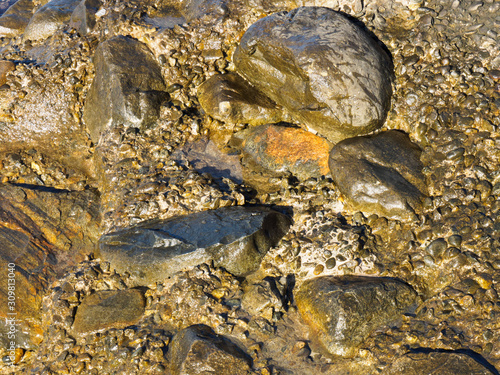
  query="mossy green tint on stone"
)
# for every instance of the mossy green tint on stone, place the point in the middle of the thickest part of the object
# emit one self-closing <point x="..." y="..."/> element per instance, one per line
<point x="344" y="310"/>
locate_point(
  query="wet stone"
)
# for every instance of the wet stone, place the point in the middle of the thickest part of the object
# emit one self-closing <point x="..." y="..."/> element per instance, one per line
<point x="128" y="87"/>
<point x="83" y="18"/>
<point x="107" y="309"/>
<point x="16" y="18"/>
<point x="49" y="18"/>
<point x="344" y="310"/>
<point x="282" y="149"/>
<point x="236" y="238"/>
<point x="198" y="350"/>
<point x="42" y="233"/>
<point x="204" y="156"/>
<point x="229" y="98"/>
<point x="442" y="363"/>
<point x="328" y="72"/>
<point x="380" y="174"/>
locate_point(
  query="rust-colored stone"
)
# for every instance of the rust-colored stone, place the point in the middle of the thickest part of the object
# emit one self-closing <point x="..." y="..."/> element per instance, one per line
<point x="5" y="67"/>
<point x="42" y="233"/>
<point x="285" y="149"/>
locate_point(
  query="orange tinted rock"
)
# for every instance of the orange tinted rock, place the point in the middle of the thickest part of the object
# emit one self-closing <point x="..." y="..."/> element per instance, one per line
<point x="42" y="233"/>
<point x="284" y="149"/>
<point x="5" y="67"/>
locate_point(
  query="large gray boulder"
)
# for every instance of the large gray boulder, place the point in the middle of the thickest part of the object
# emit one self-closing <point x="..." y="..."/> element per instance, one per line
<point x="49" y="18"/>
<point x="236" y="238"/>
<point x="344" y="310"/>
<point x="331" y="74"/>
<point x="436" y="363"/>
<point x="199" y="350"/>
<point x="380" y="174"/>
<point x="128" y="87"/>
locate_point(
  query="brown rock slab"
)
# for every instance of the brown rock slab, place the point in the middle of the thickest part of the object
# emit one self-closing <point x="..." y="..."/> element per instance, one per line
<point x="282" y="149"/>
<point x="436" y="363"/>
<point x="42" y="233"/>
<point x="5" y="67"/>
<point x="229" y="98"/>
<point x="344" y="310"/>
<point x="380" y="174"/>
<point x="198" y="350"/>
<point x="109" y="309"/>
<point x="328" y="72"/>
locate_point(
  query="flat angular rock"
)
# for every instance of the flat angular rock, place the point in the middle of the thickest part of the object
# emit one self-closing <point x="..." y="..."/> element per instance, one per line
<point x="282" y="149"/>
<point x="344" y="310"/>
<point x="109" y="309"/>
<point x="236" y="238"/>
<point x="42" y="233"/>
<point x="380" y="174"/>
<point x="49" y="18"/>
<point x="83" y="18"/>
<point x="15" y="19"/>
<point x="128" y="87"/>
<point x="198" y="350"/>
<point x="229" y="98"/>
<point x="327" y="71"/>
<point x="436" y="363"/>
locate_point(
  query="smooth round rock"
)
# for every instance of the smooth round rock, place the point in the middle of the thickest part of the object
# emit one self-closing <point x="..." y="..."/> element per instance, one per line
<point x="330" y="73"/>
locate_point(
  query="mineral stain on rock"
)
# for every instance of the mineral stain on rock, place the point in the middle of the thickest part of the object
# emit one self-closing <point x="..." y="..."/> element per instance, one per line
<point x="236" y="238"/>
<point x="282" y="149"/>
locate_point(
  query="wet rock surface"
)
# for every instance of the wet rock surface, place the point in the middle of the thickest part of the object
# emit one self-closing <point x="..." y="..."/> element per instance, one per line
<point x="437" y="363"/>
<point x="198" y="349"/>
<point x="15" y="19"/>
<point x="281" y="149"/>
<point x="380" y="174"/>
<point x="128" y="87"/>
<point x="444" y="96"/>
<point x="345" y="310"/>
<point x="83" y="18"/>
<point x="107" y="309"/>
<point x="230" y="98"/>
<point x="42" y="233"/>
<point x="49" y="18"/>
<point x="328" y="72"/>
<point x="235" y="238"/>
